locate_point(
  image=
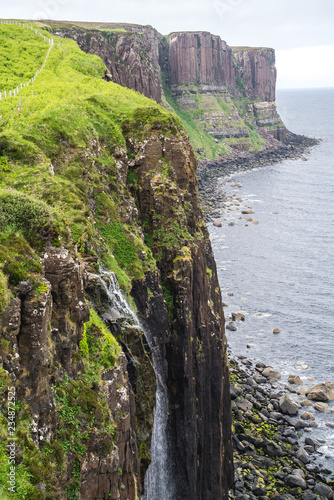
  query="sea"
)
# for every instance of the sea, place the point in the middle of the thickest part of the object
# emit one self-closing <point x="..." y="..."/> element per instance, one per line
<point x="279" y="266"/>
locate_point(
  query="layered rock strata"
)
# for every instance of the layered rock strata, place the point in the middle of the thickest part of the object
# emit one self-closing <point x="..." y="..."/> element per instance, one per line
<point x="225" y="95"/>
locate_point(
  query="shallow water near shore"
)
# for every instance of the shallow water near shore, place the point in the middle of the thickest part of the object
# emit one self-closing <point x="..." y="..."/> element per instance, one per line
<point x="281" y="270"/>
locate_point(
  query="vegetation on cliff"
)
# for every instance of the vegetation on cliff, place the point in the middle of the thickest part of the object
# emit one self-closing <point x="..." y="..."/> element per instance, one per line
<point x="62" y="144"/>
<point x="93" y="173"/>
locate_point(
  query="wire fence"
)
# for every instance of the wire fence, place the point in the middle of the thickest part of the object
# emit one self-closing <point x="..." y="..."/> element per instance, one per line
<point x="16" y="91"/>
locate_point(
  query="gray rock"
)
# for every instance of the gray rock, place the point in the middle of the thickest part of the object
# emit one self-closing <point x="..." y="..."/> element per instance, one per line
<point x="320" y="392"/>
<point x="294" y="379"/>
<point x="312" y="442"/>
<point x="244" y="405"/>
<point x="231" y="326"/>
<point x="272" y="449"/>
<point x="295" y="480"/>
<point x="288" y="406"/>
<point x="323" y="490"/>
<point x="308" y="495"/>
<point x="217" y="223"/>
<point x="259" y="379"/>
<point x="303" y="456"/>
<point x="271" y="374"/>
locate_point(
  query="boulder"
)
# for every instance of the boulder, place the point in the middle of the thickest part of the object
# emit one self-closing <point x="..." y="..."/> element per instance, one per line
<point x="217" y="223"/>
<point x="307" y="416"/>
<point x="330" y="385"/>
<point x="276" y="330"/>
<point x="320" y="392"/>
<point x="295" y="480"/>
<point x="308" y="495"/>
<point x="238" y="316"/>
<point x="295" y="379"/>
<point x="288" y="406"/>
<point x="323" y="490"/>
<point x="259" y="379"/>
<point x="231" y="326"/>
<point x="303" y="390"/>
<point x="303" y="456"/>
<point x="306" y="402"/>
<point x="271" y="374"/>
<point x="321" y="406"/>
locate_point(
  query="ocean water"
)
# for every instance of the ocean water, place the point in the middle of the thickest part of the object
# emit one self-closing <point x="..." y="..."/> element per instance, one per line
<point x="281" y="270"/>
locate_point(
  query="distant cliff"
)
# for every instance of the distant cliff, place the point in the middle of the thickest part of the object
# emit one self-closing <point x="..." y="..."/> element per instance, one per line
<point x="200" y="58"/>
<point x="224" y="95"/>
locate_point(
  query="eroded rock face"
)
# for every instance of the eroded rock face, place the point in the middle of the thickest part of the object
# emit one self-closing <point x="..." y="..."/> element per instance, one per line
<point x="132" y="56"/>
<point x="197" y="378"/>
<point x="201" y="72"/>
<point x="115" y="475"/>
<point x="200" y="58"/>
<point x="256" y="71"/>
<point x="43" y="327"/>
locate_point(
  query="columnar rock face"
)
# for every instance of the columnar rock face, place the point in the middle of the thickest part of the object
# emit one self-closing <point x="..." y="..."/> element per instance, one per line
<point x="199" y="73"/>
<point x="192" y="336"/>
<point x="256" y="72"/>
<point x="200" y="58"/>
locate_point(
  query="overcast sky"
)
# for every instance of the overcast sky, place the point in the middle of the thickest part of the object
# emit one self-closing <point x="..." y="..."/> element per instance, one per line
<point x="301" y="31"/>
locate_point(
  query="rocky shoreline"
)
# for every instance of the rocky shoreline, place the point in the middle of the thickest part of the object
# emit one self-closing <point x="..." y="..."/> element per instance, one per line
<point x="295" y="147"/>
<point x="268" y="458"/>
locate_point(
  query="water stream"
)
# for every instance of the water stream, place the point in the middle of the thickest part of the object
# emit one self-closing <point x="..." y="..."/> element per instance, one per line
<point x="158" y="484"/>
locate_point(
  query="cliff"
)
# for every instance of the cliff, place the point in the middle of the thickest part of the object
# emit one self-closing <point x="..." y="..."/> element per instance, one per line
<point x="132" y="53"/>
<point x="99" y="209"/>
<point x="256" y="72"/>
<point x="225" y="96"/>
<point x="200" y="58"/>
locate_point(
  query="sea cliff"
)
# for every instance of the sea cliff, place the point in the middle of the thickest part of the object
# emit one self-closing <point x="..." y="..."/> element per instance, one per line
<point x="109" y="292"/>
<point x="225" y="96"/>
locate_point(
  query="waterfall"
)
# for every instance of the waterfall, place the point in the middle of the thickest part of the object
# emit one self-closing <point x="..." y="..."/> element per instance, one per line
<point x="158" y="480"/>
<point x="158" y="483"/>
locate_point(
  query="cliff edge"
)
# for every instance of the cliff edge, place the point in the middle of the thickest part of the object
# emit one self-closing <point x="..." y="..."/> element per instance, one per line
<point x="111" y="321"/>
<point x="225" y="96"/>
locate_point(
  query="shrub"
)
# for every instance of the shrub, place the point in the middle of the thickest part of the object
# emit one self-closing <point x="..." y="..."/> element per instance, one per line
<point x="24" y="213"/>
<point x="4" y="293"/>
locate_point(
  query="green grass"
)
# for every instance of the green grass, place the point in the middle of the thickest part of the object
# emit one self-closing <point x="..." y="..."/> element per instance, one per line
<point x="82" y="412"/>
<point x="56" y="155"/>
<point x="200" y="140"/>
<point x="4" y="292"/>
<point x="22" y="53"/>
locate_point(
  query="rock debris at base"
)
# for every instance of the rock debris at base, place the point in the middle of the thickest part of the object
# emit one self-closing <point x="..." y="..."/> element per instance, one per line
<point x="269" y="460"/>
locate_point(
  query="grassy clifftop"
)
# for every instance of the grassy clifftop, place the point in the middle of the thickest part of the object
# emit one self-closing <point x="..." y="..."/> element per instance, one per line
<point x="58" y="143"/>
<point x="64" y="182"/>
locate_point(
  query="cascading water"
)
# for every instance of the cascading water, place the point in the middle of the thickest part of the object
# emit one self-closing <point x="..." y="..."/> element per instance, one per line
<point x="158" y="480"/>
<point x="158" y="483"/>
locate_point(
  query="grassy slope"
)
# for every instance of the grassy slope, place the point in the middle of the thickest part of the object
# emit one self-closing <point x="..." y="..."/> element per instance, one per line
<point x="19" y="61"/>
<point x="59" y="183"/>
<point x="193" y="119"/>
<point x="72" y="114"/>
